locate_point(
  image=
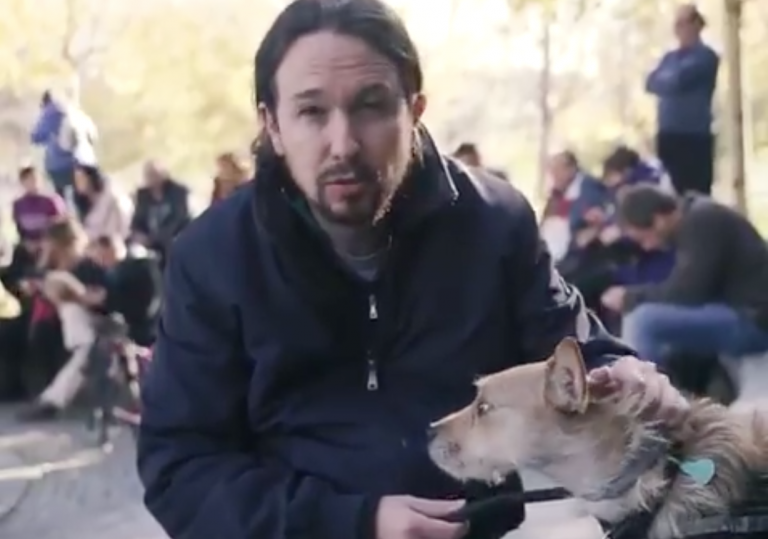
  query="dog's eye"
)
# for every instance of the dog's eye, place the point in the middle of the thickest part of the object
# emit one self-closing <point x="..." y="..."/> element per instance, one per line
<point x="483" y="408"/>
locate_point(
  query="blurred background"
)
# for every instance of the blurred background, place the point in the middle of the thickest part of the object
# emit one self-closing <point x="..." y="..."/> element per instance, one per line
<point x="172" y="79"/>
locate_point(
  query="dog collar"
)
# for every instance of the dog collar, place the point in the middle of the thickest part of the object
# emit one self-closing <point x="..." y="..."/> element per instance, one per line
<point x="651" y="451"/>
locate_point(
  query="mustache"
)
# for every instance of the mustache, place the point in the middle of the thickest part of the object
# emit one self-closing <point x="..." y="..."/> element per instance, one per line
<point x="358" y="171"/>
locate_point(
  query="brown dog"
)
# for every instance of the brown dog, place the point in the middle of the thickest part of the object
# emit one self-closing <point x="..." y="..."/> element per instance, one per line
<point x="541" y="416"/>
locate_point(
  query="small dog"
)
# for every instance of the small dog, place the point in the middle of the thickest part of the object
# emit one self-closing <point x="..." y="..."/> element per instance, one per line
<point x="62" y="287"/>
<point x="541" y="416"/>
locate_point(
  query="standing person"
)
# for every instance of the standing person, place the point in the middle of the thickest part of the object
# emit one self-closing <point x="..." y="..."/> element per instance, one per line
<point x="316" y="321"/>
<point x="109" y="213"/>
<point x="68" y="135"/>
<point x="684" y="83"/>
<point x="162" y="210"/>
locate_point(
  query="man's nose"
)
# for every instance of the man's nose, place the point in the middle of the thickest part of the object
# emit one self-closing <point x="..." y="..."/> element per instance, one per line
<point x="342" y="136"/>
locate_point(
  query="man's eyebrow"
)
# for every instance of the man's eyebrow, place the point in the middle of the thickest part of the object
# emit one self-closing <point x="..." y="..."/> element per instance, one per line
<point x="311" y="93"/>
<point x="375" y="89"/>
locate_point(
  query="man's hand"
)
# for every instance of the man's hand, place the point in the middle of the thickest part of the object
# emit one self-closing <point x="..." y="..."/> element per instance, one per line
<point x="406" y="517"/>
<point x="29" y="287"/>
<point x="613" y="298"/>
<point x="595" y="216"/>
<point x="641" y="388"/>
<point x="610" y="234"/>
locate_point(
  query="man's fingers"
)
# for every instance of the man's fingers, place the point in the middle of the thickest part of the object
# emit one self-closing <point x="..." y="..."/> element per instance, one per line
<point x="434" y="508"/>
<point x="433" y="528"/>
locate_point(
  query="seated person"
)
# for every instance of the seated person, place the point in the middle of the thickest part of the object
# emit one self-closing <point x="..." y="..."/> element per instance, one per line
<point x="469" y="154"/>
<point x="134" y="283"/>
<point x="606" y="257"/>
<point x="715" y="301"/>
<point x="75" y="285"/>
<point x="35" y="209"/>
<point x="559" y="216"/>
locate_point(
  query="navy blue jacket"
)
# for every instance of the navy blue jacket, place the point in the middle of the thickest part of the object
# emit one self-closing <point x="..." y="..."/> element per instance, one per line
<point x="286" y="396"/>
<point x="684" y="82"/>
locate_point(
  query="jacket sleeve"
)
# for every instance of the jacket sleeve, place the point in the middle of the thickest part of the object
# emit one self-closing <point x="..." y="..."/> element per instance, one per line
<point x="700" y="248"/>
<point x="547" y="309"/>
<point x="202" y="475"/>
<point x="697" y="70"/>
<point x="47" y="125"/>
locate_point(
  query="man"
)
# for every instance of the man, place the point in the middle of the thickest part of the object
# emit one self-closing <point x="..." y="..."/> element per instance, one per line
<point x="684" y="84"/>
<point x="316" y="321"/>
<point x="561" y="221"/>
<point x="715" y="300"/>
<point x="162" y="210"/>
<point x="133" y="286"/>
<point x="468" y="154"/>
<point x="68" y="135"/>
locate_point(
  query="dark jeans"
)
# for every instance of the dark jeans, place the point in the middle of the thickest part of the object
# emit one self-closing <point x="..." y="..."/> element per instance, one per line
<point x="688" y="159"/>
<point x="64" y="183"/>
<point x="655" y="330"/>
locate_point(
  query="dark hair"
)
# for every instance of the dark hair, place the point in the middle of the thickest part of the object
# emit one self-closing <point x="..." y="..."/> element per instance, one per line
<point x="65" y="232"/>
<point x="26" y="172"/>
<point x="698" y="17"/>
<point x="621" y="159"/>
<point x="372" y="21"/>
<point x="640" y="204"/>
<point x="569" y="157"/>
<point x="466" y="148"/>
<point x="96" y="178"/>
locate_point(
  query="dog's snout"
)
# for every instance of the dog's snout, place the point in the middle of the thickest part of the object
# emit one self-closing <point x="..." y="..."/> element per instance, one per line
<point x="431" y="433"/>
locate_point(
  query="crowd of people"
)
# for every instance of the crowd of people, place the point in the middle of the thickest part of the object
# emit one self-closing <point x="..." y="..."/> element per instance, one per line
<point x="84" y="250"/>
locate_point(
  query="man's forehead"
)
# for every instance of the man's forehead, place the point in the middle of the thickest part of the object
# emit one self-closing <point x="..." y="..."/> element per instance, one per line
<point x="325" y="63"/>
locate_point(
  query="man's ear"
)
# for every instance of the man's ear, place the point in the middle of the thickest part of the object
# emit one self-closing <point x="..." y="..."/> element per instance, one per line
<point x="269" y="123"/>
<point x="565" y="384"/>
<point x="418" y="106"/>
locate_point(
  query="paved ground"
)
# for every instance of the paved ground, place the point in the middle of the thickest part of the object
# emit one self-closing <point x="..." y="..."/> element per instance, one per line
<point x="54" y="484"/>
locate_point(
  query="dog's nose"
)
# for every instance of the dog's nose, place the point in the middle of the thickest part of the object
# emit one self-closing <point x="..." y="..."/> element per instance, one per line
<point x="431" y="433"/>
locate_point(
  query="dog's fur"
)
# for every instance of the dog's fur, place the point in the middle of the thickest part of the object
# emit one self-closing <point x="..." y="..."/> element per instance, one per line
<point x="62" y="287"/>
<point x="541" y="416"/>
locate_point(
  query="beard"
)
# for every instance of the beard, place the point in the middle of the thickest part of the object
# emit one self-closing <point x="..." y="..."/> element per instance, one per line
<point x="356" y="194"/>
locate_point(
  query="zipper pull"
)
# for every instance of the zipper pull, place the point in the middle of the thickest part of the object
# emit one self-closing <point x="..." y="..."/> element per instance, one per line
<point x="373" y="311"/>
<point x="373" y="378"/>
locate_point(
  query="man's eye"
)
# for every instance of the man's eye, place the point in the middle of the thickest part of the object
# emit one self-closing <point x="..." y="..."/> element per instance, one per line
<point x="311" y="111"/>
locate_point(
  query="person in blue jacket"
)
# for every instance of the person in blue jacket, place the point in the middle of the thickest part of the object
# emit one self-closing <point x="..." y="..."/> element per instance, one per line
<point x="318" y="319"/>
<point x="684" y="83"/>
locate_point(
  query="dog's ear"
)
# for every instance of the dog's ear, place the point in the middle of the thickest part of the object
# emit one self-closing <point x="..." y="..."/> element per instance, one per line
<point x="565" y="384"/>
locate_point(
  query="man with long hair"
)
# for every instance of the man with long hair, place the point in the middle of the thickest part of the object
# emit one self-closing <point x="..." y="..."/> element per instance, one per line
<point x="317" y="320"/>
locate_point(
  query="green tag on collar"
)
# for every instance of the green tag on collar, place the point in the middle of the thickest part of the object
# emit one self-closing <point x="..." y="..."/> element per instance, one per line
<point x="700" y="470"/>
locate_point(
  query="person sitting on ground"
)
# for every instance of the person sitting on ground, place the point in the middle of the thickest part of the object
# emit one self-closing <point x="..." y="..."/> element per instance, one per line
<point x="35" y="209"/>
<point x="75" y="285"/>
<point x="134" y="282"/>
<point x="109" y="213"/>
<point x="601" y="256"/>
<point x="715" y="301"/>
<point x="231" y="174"/>
<point x="162" y="210"/>
<point x="469" y="154"/>
<point x="567" y="177"/>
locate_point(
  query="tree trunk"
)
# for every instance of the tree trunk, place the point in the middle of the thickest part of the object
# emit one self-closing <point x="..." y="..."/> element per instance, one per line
<point x="545" y="105"/>
<point x="735" y="108"/>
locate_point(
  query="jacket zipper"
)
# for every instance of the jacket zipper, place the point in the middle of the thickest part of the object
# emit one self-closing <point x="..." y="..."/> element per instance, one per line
<point x="372" y="383"/>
